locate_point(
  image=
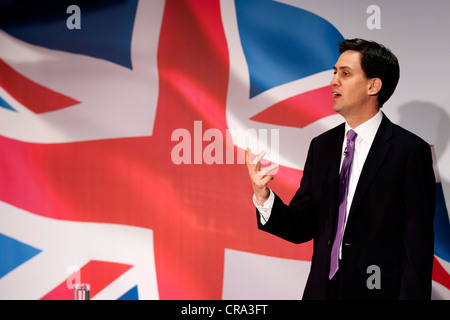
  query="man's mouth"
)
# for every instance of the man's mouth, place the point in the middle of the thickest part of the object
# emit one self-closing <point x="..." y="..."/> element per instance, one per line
<point x="336" y="95"/>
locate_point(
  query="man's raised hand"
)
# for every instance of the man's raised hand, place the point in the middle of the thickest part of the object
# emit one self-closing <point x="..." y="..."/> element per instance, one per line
<point x="259" y="177"/>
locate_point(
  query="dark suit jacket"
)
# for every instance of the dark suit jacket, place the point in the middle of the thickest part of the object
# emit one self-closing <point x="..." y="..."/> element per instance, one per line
<point x="390" y="223"/>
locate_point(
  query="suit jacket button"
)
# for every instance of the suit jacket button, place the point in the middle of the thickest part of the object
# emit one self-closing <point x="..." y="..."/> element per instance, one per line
<point x="329" y="242"/>
<point x="347" y="244"/>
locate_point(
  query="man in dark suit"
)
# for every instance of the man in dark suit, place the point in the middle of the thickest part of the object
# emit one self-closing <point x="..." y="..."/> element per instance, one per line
<point x="373" y="238"/>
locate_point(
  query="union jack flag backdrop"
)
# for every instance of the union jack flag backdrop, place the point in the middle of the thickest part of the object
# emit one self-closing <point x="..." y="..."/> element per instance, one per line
<point x="99" y="101"/>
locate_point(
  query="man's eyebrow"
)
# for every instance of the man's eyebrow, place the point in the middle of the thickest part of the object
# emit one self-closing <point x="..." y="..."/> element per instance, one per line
<point x="343" y="67"/>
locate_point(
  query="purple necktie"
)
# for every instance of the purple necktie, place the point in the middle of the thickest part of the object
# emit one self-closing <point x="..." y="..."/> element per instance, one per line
<point x="342" y="200"/>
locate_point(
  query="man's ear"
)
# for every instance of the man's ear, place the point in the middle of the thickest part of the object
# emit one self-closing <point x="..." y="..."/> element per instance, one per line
<point x="374" y="86"/>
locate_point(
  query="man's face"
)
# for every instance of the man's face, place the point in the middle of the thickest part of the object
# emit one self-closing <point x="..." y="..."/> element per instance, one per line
<point x="349" y="84"/>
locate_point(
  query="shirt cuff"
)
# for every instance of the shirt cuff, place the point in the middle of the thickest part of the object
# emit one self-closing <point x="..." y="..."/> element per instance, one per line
<point x="266" y="209"/>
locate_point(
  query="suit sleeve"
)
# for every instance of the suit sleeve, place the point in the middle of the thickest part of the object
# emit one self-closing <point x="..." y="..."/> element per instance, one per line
<point x="294" y="222"/>
<point x="418" y="233"/>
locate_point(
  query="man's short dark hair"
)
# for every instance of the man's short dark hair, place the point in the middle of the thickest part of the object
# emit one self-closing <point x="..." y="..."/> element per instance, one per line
<point x="377" y="62"/>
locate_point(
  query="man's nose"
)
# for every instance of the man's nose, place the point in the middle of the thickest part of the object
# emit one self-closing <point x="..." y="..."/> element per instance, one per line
<point x="334" y="81"/>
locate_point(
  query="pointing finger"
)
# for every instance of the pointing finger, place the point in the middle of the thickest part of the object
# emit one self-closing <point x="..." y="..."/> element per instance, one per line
<point x="259" y="156"/>
<point x="268" y="169"/>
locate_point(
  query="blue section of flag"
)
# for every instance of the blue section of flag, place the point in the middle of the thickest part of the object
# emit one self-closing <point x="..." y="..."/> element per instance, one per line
<point x="441" y="226"/>
<point x="106" y="27"/>
<point x="282" y="43"/>
<point x="4" y="104"/>
<point x="132" y="294"/>
<point x="13" y="253"/>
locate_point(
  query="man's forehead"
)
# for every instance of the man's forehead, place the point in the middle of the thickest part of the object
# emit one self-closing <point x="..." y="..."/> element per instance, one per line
<point x="349" y="59"/>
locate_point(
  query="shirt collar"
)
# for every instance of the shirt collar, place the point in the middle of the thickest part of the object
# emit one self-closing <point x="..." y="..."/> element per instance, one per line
<point x="367" y="130"/>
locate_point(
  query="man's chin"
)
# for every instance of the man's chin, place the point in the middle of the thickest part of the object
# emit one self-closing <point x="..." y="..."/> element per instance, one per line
<point x="336" y="107"/>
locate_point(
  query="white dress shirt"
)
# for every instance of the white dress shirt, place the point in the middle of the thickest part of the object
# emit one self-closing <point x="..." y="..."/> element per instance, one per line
<point x="365" y="134"/>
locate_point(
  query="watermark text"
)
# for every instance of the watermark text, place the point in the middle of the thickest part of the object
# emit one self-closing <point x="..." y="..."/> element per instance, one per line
<point x="212" y="146"/>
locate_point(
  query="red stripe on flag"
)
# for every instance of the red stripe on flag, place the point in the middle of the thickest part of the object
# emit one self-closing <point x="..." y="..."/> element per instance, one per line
<point x="193" y="219"/>
<point x="440" y="275"/>
<point x="299" y="111"/>
<point x="98" y="274"/>
<point x="32" y="95"/>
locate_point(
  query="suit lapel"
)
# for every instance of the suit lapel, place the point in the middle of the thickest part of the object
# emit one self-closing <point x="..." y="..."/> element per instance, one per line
<point x="375" y="158"/>
<point x="335" y="154"/>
